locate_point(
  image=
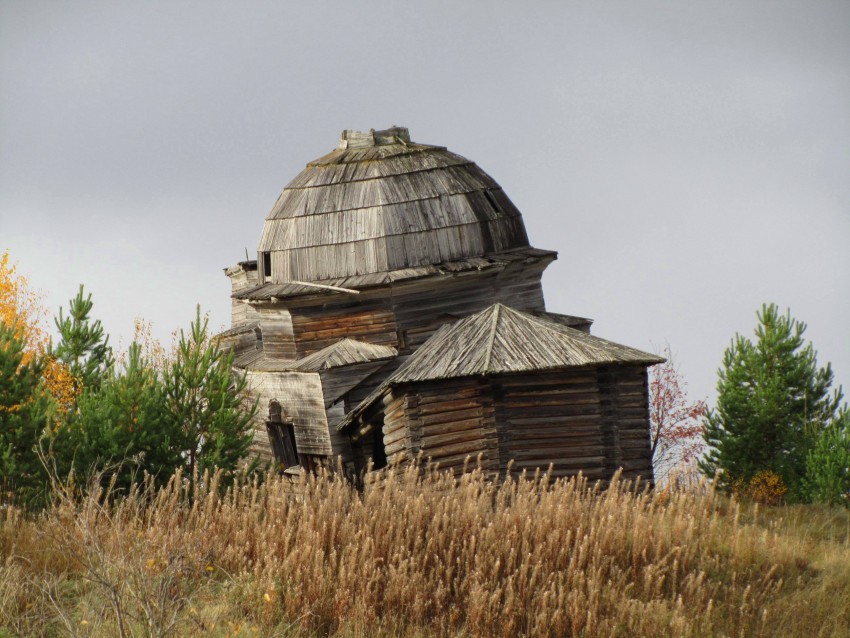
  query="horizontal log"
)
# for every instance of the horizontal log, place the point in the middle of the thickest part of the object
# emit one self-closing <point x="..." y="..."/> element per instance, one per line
<point x="469" y="447"/>
<point x="444" y="428"/>
<point x="435" y="441"/>
<point x="584" y="464"/>
<point x="489" y="459"/>
<point x="451" y="404"/>
<point x="579" y="420"/>
<point x="397" y="446"/>
<point x="395" y="434"/>
<point x="456" y="416"/>
<point x="568" y="391"/>
<point x="562" y="452"/>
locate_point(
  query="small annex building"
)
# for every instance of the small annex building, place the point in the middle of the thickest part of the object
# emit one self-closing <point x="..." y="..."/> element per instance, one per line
<point x="395" y="309"/>
<point x="509" y="387"/>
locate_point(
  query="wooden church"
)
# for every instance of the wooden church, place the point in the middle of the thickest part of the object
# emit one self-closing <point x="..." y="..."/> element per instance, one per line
<point x="395" y="310"/>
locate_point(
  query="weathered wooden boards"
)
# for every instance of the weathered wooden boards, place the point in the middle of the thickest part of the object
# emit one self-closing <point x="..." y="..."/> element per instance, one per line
<point x="624" y="393"/>
<point x="501" y="339"/>
<point x="300" y="397"/>
<point x="589" y="420"/>
<point x="519" y="387"/>
<point x="388" y="206"/>
<point x="396" y="309"/>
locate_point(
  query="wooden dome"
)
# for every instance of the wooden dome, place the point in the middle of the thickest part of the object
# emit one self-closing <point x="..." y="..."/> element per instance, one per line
<point x="380" y="202"/>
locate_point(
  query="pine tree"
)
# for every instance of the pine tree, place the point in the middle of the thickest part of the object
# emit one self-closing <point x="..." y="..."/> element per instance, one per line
<point x="24" y="410"/>
<point x="123" y="427"/>
<point x="83" y="346"/>
<point x="206" y="400"/>
<point x="828" y="464"/>
<point x="773" y="401"/>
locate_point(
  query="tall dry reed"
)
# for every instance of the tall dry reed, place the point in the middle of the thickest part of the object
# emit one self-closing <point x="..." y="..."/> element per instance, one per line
<point x="417" y="553"/>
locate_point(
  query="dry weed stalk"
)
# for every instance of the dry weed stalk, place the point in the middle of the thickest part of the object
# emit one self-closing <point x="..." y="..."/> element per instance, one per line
<point x="417" y="552"/>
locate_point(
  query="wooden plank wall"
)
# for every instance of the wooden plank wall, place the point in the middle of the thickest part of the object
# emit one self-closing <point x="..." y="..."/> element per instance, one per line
<point x="240" y="279"/>
<point x="447" y="422"/>
<point x="240" y="342"/>
<point x="404" y="315"/>
<point x="422" y="308"/>
<point x="241" y="313"/>
<point x="624" y="390"/>
<point x="300" y="396"/>
<point x="278" y="334"/>
<point x="370" y="320"/>
<point x="552" y="417"/>
<point x="340" y="442"/>
<point x="339" y="381"/>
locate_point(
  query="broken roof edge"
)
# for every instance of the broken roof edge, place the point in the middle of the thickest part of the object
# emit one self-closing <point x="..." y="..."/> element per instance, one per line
<point x="571" y="321"/>
<point x="345" y="352"/>
<point x="275" y="292"/>
<point x="241" y="266"/>
<point x="236" y="330"/>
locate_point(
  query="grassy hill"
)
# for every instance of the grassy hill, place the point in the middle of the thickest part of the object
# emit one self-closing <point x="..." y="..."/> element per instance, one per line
<point x="417" y="554"/>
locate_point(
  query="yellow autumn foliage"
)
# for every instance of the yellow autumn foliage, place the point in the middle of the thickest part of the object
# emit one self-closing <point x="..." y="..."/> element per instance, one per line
<point x="23" y="307"/>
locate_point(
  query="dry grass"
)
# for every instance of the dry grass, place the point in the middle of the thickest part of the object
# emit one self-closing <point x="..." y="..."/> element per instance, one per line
<point x="419" y="554"/>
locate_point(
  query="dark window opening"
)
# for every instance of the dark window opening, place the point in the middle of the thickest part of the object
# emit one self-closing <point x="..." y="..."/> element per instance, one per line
<point x="282" y="436"/>
<point x="492" y="200"/>
<point x="401" y="339"/>
<point x="267" y="265"/>
<point x="379" y="454"/>
<point x="258" y="344"/>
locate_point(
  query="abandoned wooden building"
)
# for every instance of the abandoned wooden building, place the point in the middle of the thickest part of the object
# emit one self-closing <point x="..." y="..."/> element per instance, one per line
<point x="395" y="309"/>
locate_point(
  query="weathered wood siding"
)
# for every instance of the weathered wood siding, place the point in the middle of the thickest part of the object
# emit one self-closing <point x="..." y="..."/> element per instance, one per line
<point x="278" y="334"/>
<point x="337" y="382"/>
<point x="239" y="340"/>
<point x="242" y="276"/>
<point x="550" y="418"/>
<point x="591" y="420"/>
<point x="624" y="392"/>
<point x="391" y="206"/>
<point x="300" y="396"/>
<point x="406" y="315"/>
<point x="422" y="308"/>
<point x="340" y="443"/>
<point x="446" y="422"/>
<point x="317" y="327"/>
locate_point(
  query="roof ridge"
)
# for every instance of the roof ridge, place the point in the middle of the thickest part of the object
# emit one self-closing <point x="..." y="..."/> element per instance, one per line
<point x="492" y="338"/>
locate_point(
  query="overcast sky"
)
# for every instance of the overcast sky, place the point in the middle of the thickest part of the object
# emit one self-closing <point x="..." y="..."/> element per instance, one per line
<point x="688" y="160"/>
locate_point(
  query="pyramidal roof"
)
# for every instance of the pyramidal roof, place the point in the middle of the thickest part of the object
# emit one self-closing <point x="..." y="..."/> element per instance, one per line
<point x="344" y="353"/>
<point x="502" y="340"/>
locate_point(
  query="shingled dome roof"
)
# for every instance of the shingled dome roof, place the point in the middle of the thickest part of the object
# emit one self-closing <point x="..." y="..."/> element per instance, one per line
<point x="380" y="202"/>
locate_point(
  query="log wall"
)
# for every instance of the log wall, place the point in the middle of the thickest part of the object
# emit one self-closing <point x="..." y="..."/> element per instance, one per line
<point x="422" y="308"/>
<point x="590" y="420"/>
<point x="405" y="315"/>
<point x="550" y="418"/>
<point x="242" y="276"/>
<point x="624" y="392"/>
<point x="370" y="320"/>
<point x="446" y="422"/>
